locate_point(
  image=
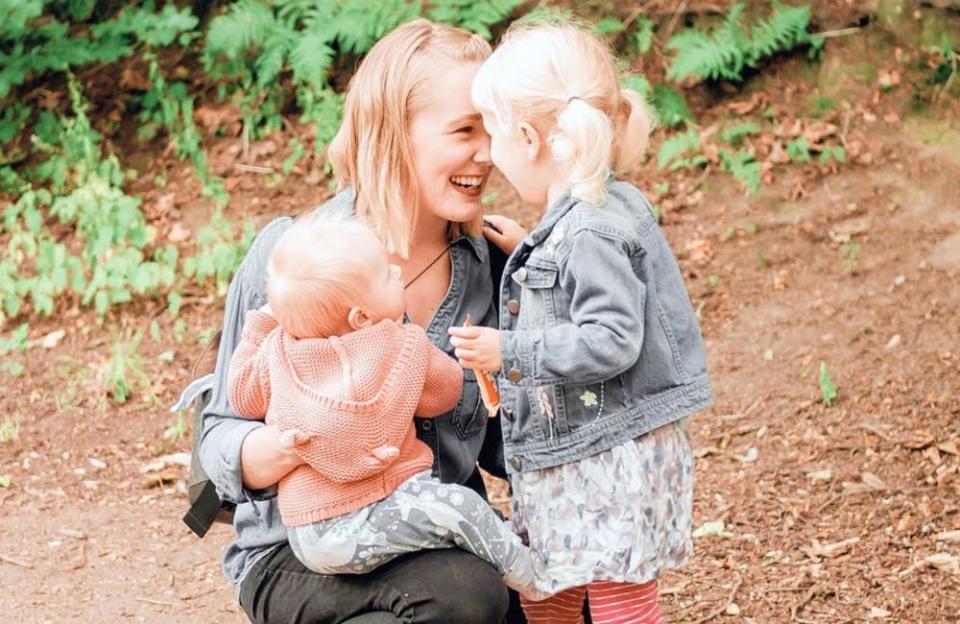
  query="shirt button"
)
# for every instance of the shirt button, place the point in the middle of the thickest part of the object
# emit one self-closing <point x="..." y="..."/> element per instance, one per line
<point x="516" y="462"/>
<point x="513" y="306"/>
<point x="427" y="425"/>
<point x="521" y="274"/>
<point x="514" y="375"/>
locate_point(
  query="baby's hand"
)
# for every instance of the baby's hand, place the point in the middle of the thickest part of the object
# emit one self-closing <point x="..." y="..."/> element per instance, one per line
<point x="292" y="438"/>
<point x="266" y="309"/>
<point x="503" y="232"/>
<point x="477" y="347"/>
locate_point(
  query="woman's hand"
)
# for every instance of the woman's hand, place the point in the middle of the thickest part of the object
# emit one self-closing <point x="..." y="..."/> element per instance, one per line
<point x="503" y="232"/>
<point x="269" y="454"/>
<point x="477" y="347"/>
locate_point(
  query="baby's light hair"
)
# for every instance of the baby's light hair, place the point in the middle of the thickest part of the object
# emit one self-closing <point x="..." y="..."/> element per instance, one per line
<point x="371" y="151"/>
<point x="563" y="81"/>
<point x="320" y="267"/>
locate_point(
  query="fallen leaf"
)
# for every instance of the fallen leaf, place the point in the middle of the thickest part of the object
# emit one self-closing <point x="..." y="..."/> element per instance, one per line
<point x="873" y="481"/>
<point x="948" y="536"/>
<point x="700" y="251"/>
<point x="876" y="612"/>
<point x="820" y="475"/>
<point x="6" y="481"/>
<point x="712" y="527"/>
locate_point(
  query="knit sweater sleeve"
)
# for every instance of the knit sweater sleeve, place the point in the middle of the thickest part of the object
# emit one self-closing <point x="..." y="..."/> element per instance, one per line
<point x="443" y="385"/>
<point x="249" y="376"/>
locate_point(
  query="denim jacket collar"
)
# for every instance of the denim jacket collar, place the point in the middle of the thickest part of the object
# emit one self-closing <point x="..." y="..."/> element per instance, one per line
<point x="550" y="218"/>
<point x="475" y="243"/>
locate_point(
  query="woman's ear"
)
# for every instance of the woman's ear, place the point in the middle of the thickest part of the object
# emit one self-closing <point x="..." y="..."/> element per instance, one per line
<point x="531" y="139"/>
<point x="357" y="318"/>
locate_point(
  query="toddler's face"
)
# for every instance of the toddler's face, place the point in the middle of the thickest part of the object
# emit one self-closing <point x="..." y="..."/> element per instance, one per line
<point x="511" y="154"/>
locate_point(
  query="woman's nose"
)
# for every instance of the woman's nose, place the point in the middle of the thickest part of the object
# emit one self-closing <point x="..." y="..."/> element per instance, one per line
<point x="482" y="155"/>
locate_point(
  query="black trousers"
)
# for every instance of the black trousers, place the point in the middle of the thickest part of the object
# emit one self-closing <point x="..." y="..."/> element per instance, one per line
<point x="434" y="586"/>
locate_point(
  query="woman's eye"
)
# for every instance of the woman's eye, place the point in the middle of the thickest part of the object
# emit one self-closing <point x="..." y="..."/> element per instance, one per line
<point x="465" y="130"/>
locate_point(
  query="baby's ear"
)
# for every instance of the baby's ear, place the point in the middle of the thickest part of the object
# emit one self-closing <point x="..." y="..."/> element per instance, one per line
<point x="531" y="138"/>
<point x="357" y="318"/>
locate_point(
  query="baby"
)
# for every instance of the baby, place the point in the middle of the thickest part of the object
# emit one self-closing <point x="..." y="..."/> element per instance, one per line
<point x="329" y="361"/>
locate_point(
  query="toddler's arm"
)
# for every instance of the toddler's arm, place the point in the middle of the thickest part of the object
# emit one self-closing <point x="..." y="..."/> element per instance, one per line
<point x="249" y="376"/>
<point x="605" y="334"/>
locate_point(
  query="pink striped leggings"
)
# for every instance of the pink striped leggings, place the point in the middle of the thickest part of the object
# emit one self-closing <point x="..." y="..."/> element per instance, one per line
<point x="610" y="603"/>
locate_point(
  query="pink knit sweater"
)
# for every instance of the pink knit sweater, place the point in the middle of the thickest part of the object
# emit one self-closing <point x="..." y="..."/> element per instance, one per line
<point x="355" y="394"/>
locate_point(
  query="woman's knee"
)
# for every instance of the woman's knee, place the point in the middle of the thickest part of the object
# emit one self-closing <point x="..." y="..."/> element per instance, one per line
<point x="473" y="593"/>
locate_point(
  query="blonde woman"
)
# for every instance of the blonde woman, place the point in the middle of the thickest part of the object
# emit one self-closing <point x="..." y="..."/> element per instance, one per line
<point x="411" y="158"/>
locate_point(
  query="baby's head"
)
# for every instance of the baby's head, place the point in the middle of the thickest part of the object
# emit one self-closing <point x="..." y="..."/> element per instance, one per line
<point x="552" y="103"/>
<point x="329" y="275"/>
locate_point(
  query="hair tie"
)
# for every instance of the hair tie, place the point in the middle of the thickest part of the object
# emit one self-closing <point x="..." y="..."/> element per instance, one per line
<point x="574" y="97"/>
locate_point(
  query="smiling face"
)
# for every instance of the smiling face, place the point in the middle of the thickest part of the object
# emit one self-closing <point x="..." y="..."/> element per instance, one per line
<point x="449" y="144"/>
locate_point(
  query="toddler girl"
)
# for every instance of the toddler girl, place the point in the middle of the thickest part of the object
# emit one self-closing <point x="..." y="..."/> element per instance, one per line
<point x="599" y="349"/>
<point x="329" y="362"/>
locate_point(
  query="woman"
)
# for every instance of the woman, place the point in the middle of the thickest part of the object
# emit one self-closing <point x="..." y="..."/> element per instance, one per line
<point x="411" y="157"/>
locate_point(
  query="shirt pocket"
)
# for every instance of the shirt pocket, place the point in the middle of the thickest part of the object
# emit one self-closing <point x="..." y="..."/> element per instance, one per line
<point x="470" y="415"/>
<point x="537" y="303"/>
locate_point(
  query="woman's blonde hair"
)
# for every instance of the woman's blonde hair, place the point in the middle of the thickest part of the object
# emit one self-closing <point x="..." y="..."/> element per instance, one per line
<point x="319" y="268"/>
<point x="371" y="151"/>
<point x="564" y="81"/>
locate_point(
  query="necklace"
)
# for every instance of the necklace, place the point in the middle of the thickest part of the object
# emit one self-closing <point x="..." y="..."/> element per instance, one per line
<point x="427" y="268"/>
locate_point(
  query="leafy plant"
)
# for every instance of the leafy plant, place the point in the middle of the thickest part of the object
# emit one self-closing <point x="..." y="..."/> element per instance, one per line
<point x="734" y="135"/>
<point x="851" y="254"/>
<point x="836" y="153"/>
<point x="798" y="151"/>
<point x="827" y="387"/>
<point x="123" y="372"/>
<point x="743" y="167"/>
<point x="680" y="150"/>
<point x="730" y="48"/>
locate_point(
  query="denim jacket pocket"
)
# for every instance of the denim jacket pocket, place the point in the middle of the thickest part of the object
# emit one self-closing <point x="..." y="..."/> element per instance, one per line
<point x="537" y="306"/>
<point x="470" y="415"/>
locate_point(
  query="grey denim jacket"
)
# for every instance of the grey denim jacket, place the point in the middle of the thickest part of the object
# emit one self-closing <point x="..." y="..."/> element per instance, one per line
<point x="456" y="438"/>
<point x="599" y="341"/>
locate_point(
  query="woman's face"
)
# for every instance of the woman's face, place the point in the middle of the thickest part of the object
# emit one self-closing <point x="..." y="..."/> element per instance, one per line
<point x="451" y="149"/>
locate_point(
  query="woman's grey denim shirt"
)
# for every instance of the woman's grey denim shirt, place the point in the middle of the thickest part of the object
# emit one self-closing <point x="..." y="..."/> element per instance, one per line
<point x="599" y="341"/>
<point x="455" y="438"/>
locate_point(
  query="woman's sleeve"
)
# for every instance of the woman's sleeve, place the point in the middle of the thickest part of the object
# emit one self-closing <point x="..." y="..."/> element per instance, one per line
<point x="224" y="432"/>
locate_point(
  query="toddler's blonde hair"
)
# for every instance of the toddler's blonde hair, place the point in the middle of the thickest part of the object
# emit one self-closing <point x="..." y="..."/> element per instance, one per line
<point x="319" y="268"/>
<point x="371" y="151"/>
<point x="563" y="81"/>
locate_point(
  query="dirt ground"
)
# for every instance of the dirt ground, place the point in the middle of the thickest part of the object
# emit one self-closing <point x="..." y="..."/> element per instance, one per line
<point x="846" y="513"/>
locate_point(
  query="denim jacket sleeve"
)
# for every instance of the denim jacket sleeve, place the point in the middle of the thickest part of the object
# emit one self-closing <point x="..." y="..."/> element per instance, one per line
<point x="603" y="335"/>
<point x="224" y="431"/>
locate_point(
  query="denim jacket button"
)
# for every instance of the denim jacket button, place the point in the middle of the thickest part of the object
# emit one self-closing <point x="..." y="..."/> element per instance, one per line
<point x="514" y="375"/>
<point x="521" y="274"/>
<point x="513" y="306"/>
<point x="427" y="425"/>
<point x="516" y="462"/>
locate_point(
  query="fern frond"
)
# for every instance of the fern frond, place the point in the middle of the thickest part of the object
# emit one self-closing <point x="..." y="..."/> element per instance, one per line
<point x="361" y="22"/>
<point x="246" y="23"/>
<point x="734" y="135"/>
<point x="677" y="146"/>
<point x="784" y="30"/>
<point x="671" y="107"/>
<point x="743" y="167"/>
<point x="310" y="58"/>
<point x="475" y="16"/>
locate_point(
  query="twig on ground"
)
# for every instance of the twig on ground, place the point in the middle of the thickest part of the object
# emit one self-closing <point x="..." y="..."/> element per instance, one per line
<point x="162" y="603"/>
<point x="15" y="561"/>
<point x="724" y="606"/>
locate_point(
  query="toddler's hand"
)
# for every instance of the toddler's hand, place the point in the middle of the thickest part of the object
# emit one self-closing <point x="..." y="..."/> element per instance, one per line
<point x="477" y="347"/>
<point x="266" y="309"/>
<point x="503" y="232"/>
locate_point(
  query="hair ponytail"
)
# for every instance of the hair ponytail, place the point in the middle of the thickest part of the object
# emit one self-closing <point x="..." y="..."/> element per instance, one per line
<point x="633" y="126"/>
<point x="581" y="143"/>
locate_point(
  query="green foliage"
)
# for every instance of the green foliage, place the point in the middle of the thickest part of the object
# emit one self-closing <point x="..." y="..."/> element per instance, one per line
<point x="827" y="387"/>
<point x="734" y="135"/>
<point x="608" y="26"/>
<point x="671" y="106"/>
<point x="743" y="167"/>
<point x="798" y="151"/>
<point x="475" y="16"/>
<point x="680" y="150"/>
<point x="123" y="372"/>
<point x="836" y="153"/>
<point x="727" y="50"/>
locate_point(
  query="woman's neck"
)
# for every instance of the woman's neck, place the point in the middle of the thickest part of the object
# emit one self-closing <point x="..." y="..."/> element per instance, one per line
<point x="430" y="232"/>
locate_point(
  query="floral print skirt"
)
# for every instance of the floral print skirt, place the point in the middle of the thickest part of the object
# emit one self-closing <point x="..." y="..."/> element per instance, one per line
<point x="622" y="515"/>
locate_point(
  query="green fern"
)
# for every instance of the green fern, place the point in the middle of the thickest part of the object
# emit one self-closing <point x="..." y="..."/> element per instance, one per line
<point x="676" y="146"/>
<point x="726" y="51"/>
<point x="671" y="106"/>
<point x="743" y="167"/>
<point x="475" y="16"/>
<point x="734" y="135"/>
<point x="360" y="23"/>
